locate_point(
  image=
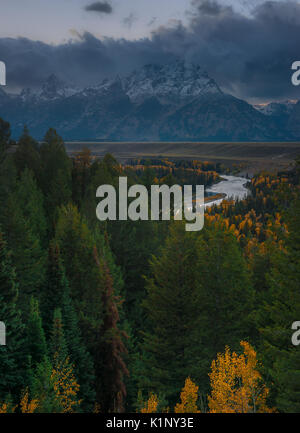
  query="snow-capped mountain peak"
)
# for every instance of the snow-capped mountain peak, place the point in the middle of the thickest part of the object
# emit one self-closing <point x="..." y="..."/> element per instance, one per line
<point x="177" y="81"/>
<point x="276" y="108"/>
<point x="52" y="88"/>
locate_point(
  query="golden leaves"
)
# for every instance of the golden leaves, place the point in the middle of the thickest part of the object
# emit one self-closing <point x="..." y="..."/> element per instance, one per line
<point x="236" y="383"/>
<point x="151" y="405"/>
<point x="189" y="397"/>
<point x="65" y="384"/>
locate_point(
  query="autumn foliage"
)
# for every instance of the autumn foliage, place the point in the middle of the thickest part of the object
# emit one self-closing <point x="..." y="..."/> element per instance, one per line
<point x="236" y="383"/>
<point x="151" y="405"/>
<point x="189" y="397"/>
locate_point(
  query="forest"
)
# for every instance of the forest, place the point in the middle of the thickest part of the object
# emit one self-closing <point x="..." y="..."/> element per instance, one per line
<point x="123" y="316"/>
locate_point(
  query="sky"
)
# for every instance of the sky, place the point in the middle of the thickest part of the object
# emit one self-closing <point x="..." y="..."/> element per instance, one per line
<point x="247" y="46"/>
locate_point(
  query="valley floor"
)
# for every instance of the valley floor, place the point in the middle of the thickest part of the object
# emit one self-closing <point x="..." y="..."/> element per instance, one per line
<point x="252" y="157"/>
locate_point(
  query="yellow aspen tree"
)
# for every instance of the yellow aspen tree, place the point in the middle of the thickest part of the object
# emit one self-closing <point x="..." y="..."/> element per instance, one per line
<point x="151" y="405"/>
<point x="27" y="406"/>
<point x="236" y="383"/>
<point x="189" y="397"/>
<point x="65" y="384"/>
<point x="7" y="408"/>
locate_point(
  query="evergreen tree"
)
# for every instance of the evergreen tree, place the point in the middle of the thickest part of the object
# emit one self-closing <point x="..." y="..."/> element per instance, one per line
<point x="54" y="288"/>
<point x="79" y="355"/>
<point x="27" y="254"/>
<point x="57" y="295"/>
<point x="226" y="294"/>
<point x="27" y="154"/>
<point x="58" y="344"/>
<point x="63" y="378"/>
<point x="5" y="141"/>
<point x="30" y="200"/>
<point x="56" y="173"/>
<point x="171" y="344"/>
<point x="42" y="388"/>
<point x="110" y="365"/>
<point x="280" y="309"/>
<point x="12" y="365"/>
<point x="77" y="244"/>
<point x="36" y="345"/>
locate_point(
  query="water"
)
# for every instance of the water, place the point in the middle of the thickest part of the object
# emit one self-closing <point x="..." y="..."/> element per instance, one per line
<point x="233" y="186"/>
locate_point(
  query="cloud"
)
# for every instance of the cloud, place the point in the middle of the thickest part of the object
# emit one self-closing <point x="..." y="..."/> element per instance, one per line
<point x="210" y="7"/>
<point x="249" y="55"/>
<point x="152" y="21"/>
<point x="129" y="20"/>
<point x="102" y="7"/>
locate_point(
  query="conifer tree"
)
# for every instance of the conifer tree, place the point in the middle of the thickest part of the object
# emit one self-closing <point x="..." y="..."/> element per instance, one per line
<point x="276" y="316"/>
<point x="56" y="294"/>
<point x="56" y="173"/>
<point x="172" y="305"/>
<point x="54" y="288"/>
<point x="76" y="244"/>
<point x="27" y="154"/>
<point x="110" y="364"/>
<point x="12" y="364"/>
<point x="42" y="388"/>
<point x="79" y="355"/>
<point x="5" y="141"/>
<point x="226" y="293"/>
<point x="36" y="345"/>
<point x="63" y="378"/>
<point x="27" y="253"/>
<point x="30" y="200"/>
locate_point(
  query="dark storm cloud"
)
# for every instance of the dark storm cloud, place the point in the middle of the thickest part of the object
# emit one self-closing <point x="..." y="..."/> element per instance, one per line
<point x="209" y="7"/>
<point x="249" y="56"/>
<point x="101" y="7"/>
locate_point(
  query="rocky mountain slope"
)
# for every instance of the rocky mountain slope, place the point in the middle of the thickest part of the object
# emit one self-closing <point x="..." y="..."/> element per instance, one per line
<point x="176" y="101"/>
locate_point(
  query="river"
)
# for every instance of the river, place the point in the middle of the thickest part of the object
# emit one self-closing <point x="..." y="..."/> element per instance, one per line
<point x="233" y="186"/>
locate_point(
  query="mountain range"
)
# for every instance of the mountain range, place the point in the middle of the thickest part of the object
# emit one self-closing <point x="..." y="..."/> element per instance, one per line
<point x="171" y="102"/>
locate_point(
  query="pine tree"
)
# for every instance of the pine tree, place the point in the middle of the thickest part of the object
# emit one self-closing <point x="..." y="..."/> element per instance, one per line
<point x="63" y="377"/>
<point x="54" y="288"/>
<point x="36" y="345"/>
<point x="172" y="305"/>
<point x="227" y="297"/>
<point x="79" y="355"/>
<point x="280" y="309"/>
<point x="12" y="364"/>
<point x="27" y="253"/>
<point x="58" y="344"/>
<point x="110" y="365"/>
<point x="56" y="173"/>
<point x="56" y="294"/>
<point x="30" y="200"/>
<point x="27" y="154"/>
<point x="76" y="244"/>
<point x="5" y="141"/>
<point x="42" y="388"/>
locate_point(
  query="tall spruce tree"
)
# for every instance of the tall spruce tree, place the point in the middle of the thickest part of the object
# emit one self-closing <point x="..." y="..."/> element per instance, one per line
<point x="171" y="344"/>
<point x="27" y="154"/>
<point x="30" y="200"/>
<point x="227" y="296"/>
<point x="56" y="179"/>
<point x="110" y="364"/>
<point x="53" y="290"/>
<point x="27" y="253"/>
<point x="277" y="314"/>
<point x="12" y="364"/>
<point x="36" y="345"/>
<point x="56" y="294"/>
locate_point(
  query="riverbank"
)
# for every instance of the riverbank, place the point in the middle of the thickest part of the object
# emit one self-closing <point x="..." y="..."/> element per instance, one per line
<point x="230" y="187"/>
